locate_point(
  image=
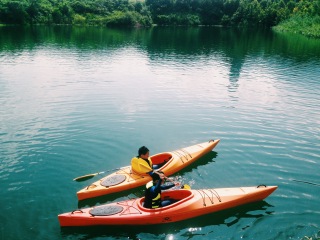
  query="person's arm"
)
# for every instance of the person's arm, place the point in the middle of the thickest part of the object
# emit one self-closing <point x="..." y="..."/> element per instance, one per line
<point x="156" y="172"/>
<point x="171" y="185"/>
<point x="165" y="187"/>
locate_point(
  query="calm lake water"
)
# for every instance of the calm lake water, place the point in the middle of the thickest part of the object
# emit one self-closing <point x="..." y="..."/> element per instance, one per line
<point x="81" y="100"/>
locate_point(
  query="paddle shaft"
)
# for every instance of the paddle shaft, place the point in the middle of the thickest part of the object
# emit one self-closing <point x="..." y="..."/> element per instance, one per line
<point x="184" y="186"/>
<point x="316" y="184"/>
<point x="88" y="176"/>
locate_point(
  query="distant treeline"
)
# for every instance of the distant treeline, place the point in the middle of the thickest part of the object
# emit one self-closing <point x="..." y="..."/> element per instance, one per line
<point x="162" y="12"/>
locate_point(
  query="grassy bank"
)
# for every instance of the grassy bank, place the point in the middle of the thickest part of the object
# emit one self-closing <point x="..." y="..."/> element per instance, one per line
<point x="305" y="25"/>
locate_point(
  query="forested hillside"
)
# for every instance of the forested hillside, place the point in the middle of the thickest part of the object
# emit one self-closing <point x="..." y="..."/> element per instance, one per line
<point x="162" y="12"/>
<point x="82" y="12"/>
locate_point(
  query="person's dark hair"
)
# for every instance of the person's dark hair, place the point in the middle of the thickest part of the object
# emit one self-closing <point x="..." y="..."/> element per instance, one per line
<point x="156" y="176"/>
<point x="143" y="150"/>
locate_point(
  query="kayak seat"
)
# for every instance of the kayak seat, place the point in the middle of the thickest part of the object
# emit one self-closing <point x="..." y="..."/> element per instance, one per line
<point x="180" y="195"/>
<point x="161" y="158"/>
<point x="167" y="198"/>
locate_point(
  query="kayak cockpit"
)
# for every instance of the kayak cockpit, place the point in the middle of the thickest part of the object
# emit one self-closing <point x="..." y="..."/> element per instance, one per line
<point x="161" y="158"/>
<point x="180" y="195"/>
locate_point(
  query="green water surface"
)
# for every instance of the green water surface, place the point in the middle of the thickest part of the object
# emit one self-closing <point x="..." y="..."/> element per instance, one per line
<point x="82" y="100"/>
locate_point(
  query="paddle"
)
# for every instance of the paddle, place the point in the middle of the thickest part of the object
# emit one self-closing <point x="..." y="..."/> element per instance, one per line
<point x="88" y="176"/>
<point x="316" y="184"/>
<point x="184" y="186"/>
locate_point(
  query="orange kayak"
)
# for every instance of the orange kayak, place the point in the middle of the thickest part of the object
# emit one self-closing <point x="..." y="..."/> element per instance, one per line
<point x="190" y="204"/>
<point x="125" y="178"/>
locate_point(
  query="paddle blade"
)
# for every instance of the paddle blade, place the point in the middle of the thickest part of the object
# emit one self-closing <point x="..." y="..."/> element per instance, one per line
<point x="186" y="186"/>
<point x="85" y="177"/>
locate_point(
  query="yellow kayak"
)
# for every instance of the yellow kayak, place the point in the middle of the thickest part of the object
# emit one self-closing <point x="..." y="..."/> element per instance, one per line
<point x="125" y="179"/>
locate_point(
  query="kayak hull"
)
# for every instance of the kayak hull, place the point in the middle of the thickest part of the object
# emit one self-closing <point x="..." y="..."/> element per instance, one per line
<point x="190" y="204"/>
<point x="125" y="178"/>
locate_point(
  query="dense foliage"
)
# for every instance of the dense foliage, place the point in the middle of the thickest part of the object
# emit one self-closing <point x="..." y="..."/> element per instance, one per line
<point x="163" y="12"/>
<point x="82" y="12"/>
<point x="305" y="25"/>
<point x="305" y="19"/>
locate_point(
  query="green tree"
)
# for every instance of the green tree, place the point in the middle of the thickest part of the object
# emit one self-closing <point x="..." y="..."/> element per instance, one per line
<point x="211" y="11"/>
<point x="39" y="11"/>
<point x="15" y="12"/>
<point x="62" y="14"/>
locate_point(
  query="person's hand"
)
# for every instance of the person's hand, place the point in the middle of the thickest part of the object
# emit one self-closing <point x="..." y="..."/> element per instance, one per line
<point x="177" y="184"/>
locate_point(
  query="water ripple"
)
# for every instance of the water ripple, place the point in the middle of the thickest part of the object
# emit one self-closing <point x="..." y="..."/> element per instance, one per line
<point x="78" y="107"/>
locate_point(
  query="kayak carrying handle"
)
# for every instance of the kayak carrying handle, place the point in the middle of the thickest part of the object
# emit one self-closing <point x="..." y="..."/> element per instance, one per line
<point x="261" y="185"/>
<point x="90" y="186"/>
<point x="211" y="140"/>
<point x="77" y="210"/>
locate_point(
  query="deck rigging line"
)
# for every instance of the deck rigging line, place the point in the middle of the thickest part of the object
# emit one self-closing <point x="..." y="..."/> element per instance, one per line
<point x="186" y="152"/>
<point x="127" y="207"/>
<point x="205" y="192"/>
<point x="180" y="155"/>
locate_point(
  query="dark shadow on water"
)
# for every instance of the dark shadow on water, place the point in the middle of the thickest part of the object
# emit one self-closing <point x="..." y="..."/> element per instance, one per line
<point x="139" y="192"/>
<point x="208" y="158"/>
<point x="228" y="217"/>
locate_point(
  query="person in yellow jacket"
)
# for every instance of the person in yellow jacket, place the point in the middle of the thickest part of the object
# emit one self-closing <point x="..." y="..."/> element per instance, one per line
<point x="142" y="164"/>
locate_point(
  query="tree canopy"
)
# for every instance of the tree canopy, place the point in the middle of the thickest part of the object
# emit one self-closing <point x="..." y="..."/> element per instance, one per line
<point x="162" y="12"/>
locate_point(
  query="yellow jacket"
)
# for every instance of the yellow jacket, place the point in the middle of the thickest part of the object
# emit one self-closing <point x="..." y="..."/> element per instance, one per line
<point x="141" y="166"/>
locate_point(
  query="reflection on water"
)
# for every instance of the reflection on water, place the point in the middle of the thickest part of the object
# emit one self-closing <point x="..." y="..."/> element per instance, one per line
<point x="163" y="41"/>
